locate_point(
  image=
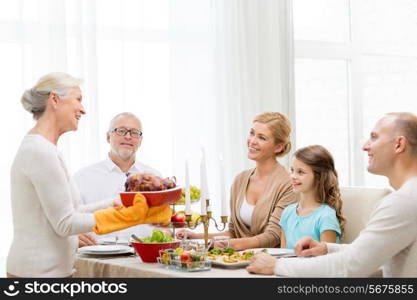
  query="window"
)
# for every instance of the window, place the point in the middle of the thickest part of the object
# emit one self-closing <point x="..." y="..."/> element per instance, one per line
<point x="354" y="61"/>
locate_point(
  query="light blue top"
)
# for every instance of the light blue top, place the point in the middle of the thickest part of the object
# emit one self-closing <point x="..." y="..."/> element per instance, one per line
<point x="314" y="224"/>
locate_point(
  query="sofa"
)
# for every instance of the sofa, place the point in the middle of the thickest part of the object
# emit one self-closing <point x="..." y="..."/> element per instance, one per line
<point x="358" y="203"/>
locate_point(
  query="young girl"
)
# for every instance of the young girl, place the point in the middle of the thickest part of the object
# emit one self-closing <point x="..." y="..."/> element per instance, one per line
<point x="318" y="212"/>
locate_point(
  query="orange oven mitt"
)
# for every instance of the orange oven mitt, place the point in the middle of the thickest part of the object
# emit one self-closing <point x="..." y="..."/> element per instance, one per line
<point x="117" y="218"/>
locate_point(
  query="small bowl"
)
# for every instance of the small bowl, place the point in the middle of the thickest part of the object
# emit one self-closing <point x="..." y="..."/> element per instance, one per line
<point x="149" y="252"/>
<point x="155" y="198"/>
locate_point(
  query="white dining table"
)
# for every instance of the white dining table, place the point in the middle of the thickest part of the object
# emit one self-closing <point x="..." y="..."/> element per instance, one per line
<point x="131" y="266"/>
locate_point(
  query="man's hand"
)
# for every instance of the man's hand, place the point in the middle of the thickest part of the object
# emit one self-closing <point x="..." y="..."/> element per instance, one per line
<point x="262" y="263"/>
<point x="85" y="239"/>
<point x="306" y="246"/>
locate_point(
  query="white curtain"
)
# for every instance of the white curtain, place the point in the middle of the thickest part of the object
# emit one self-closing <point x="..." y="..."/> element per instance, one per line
<point x="254" y="69"/>
<point x="195" y="72"/>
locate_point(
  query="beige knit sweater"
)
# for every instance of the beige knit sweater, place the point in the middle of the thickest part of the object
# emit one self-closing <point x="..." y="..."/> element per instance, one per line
<point x="267" y="212"/>
<point x="389" y="240"/>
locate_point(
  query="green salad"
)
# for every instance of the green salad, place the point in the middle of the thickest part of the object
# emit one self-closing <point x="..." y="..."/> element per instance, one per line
<point x="158" y="237"/>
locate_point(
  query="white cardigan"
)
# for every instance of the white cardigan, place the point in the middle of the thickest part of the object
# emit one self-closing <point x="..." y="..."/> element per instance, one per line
<point x="46" y="214"/>
<point x="388" y="240"/>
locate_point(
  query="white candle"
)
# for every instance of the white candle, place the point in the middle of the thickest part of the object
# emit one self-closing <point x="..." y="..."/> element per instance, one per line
<point x="223" y="188"/>
<point x="203" y="182"/>
<point x="187" y="190"/>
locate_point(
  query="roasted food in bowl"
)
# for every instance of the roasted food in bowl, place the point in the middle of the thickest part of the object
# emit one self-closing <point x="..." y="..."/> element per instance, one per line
<point x="148" y="182"/>
<point x="156" y="190"/>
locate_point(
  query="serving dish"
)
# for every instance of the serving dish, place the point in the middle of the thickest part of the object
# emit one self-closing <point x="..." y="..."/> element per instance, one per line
<point x="154" y="198"/>
<point x="149" y="252"/>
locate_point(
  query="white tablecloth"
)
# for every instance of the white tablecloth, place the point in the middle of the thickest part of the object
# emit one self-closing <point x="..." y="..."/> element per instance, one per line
<point x="132" y="266"/>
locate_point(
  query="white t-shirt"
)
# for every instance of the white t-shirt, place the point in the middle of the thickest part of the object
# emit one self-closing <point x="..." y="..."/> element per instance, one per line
<point x="105" y="180"/>
<point x="246" y="211"/>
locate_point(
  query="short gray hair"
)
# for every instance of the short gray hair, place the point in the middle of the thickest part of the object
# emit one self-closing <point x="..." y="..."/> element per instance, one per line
<point x="34" y="100"/>
<point x="123" y="114"/>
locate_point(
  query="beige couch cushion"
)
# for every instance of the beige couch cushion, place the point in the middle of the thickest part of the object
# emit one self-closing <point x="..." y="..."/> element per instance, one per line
<point x="358" y="203"/>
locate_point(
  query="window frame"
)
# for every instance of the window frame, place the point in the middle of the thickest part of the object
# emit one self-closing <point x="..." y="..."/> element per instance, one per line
<point x="352" y="51"/>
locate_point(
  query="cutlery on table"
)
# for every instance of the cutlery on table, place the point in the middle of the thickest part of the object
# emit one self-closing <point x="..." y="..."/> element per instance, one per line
<point x="136" y="238"/>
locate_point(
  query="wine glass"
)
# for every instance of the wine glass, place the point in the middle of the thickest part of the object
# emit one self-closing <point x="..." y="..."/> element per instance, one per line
<point x="221" y="241"/>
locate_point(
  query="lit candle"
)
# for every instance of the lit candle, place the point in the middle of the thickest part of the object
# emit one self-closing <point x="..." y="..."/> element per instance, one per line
<point x="203" y="182"/>
<point x="223" y="188"/>
<point x="187" y="190"/>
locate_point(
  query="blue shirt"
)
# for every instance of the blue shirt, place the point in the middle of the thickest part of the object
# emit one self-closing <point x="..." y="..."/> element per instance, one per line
<point x="314" y="224"/>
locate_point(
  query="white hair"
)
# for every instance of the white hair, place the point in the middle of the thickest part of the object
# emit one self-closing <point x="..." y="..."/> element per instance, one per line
<point x="123" y="114"/>
<point x="34" y="100"/>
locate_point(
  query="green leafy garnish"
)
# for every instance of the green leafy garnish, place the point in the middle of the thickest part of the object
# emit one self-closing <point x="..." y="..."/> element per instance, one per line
<point x="158" y="237"/>
<point x="228" y="250"/>
<point x="215" y="251"/>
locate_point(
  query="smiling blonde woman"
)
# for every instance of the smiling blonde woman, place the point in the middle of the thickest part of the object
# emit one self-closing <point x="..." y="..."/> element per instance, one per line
<point x="258" y="196"/>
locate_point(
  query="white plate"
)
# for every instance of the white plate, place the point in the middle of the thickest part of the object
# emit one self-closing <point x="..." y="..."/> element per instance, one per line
<point x="281" y="252"/>
<point x="112" y="241"/>
<point x="240" y="264"/>
<point x="105" y="249"/>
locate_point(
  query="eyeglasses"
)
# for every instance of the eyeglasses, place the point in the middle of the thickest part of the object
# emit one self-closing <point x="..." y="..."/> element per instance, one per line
<point x="134" y="133"/>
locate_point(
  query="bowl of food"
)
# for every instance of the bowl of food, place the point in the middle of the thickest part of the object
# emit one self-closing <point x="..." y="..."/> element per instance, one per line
<point x="155" y="198"/>
<point x="149" y="252"/>
<point x="184" y="260"/>
<point x="149" y="247"/>
<point x="156" y="190"/>
<point x="195" y="195"/>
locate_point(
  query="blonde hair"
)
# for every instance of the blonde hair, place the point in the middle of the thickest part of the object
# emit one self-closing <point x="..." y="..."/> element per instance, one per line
<point x="280" y="127"/>
<point x="326" y="181"/>
<point x="406" y="124"/>
<point x="34" y="100"/>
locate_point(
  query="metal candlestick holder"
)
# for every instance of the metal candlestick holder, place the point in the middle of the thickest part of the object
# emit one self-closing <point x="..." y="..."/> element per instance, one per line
<point x="205" y="219"/>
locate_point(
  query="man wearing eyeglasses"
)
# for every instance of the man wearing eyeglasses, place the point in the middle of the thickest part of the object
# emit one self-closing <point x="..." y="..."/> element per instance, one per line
<point x="106" y="178"/>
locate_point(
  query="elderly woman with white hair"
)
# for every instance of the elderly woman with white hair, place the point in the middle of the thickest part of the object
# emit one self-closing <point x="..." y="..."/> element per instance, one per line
<point x="47" y="216"/>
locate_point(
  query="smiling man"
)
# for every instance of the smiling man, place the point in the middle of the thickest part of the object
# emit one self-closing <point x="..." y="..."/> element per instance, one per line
<point x="106" y="179"/>
<point x="389" y="239"/>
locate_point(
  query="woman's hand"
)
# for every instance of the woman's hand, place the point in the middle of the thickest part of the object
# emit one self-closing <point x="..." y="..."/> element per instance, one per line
<point x="117" y="202"/>
<point x="184" y="234"/>
<point x="116" y="218"/>
<point x="85" y="239"/>
<point x="221" y="242"/>
<point x="262" y="263"/>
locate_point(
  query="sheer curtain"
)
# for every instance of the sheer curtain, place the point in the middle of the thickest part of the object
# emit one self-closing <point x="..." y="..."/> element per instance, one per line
<point x="195" y="72"/>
